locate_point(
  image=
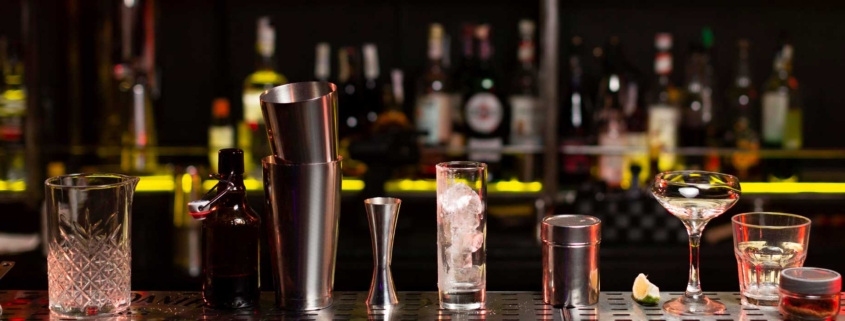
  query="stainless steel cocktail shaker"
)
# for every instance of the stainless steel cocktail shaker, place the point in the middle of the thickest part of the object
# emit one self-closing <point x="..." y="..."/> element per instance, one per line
<point x="302" y="190"/>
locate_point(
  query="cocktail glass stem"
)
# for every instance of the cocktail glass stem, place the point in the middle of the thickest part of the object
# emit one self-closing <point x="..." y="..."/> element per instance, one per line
<point x="693" y="285"/>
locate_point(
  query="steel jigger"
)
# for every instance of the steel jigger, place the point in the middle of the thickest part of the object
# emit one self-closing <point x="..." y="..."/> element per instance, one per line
<point x="382" y="213"/>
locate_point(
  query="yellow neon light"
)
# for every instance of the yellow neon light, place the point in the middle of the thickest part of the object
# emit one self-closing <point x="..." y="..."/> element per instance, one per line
<point x="13" y="186"/>
<point x="187" y="182"/>
<point x="792" y="188"/>
<point x="352" y="185"/>
<point x="156" y="183"/>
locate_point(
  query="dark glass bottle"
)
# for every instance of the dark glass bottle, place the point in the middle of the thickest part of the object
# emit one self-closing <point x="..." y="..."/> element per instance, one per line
<point x="610" y="116"/>
<point x="576" y="117"/>
<point x="485" y="111"/>
<point x="744" y="134"/>
<point x="230" y="241"/>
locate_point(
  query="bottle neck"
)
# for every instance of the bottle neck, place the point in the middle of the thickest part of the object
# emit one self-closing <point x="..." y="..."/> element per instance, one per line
<point x="526" y="53"/>
<point x="265" y="63"/>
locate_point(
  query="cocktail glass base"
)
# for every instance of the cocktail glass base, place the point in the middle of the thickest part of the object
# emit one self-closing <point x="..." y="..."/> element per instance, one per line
<point x="690" y="306"/>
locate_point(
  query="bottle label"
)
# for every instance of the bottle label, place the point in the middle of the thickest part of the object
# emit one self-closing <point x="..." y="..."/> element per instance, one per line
<point x="775" y="104"/>
<point x="637" y="156"/>
<point x="485" y="149"/>
<point x="252" y="106"/>
<point x="220" y="137"/>
<point x="663" y="133"/>
<point x="793" y="135"/>
<point x="434" y="117"/>
<point x="611" y="166"/>
<point x="526" y="121"/>
<point x="484" y="113"/>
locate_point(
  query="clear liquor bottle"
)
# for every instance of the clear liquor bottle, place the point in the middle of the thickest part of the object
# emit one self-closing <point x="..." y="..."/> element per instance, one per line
<point x="433" y="105"/>
<point x="663" y="109"/>
<point x="782" y="116"/>
<point x="252" y="132"/>
<point x="322" y="61"/>
<point x="744" y="134"/>
<point x="610" y="116"/>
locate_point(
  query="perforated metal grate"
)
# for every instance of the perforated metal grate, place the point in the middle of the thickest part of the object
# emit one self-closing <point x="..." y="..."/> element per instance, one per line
<point x="414" y="306"/>
<point x="618" y="306"/>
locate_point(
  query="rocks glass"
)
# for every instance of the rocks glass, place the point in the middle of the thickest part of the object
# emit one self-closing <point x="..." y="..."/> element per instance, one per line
<point x="461" y="230"/>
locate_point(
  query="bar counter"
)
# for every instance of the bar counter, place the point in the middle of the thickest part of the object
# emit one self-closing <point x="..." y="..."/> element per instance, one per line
<point x="613" y="306"/>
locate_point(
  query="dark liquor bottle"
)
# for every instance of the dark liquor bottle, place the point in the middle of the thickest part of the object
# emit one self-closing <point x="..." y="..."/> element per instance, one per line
<point x="350" y="109"/>
<point x="664" y="108"/>
<point x="433" y="107"/>
<point x="636" y="139"/>
<point x="526" y="125"/>
<point x="371" y="96"/>
<point x="12" y="114"/>
<point x="393" y="118"/>
<point x="610" y="118"/>
<point x="349" y="100"/>
<point x="230" y="242"/>
<point x="484" y="111"/>
<point x="743" y="134"/>
<point x="696" y="109"/>
<point x="576" y="117"/>
<point x="461" y="84"/>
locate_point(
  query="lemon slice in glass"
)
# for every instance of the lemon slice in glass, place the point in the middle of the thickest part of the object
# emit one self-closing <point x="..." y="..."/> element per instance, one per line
<point x="644" y="292"/>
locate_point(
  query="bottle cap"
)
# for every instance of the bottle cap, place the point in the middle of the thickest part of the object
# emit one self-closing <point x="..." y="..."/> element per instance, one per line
<point x="322" y="65"/>
<point x="371" y="68"/>
<point x="571" y="229"/>
<point x="809" y="280"/>
<point x="220" y="108"/>
<point x="663" y="41"/>
<point x="230" y="160"/>
<point x="526" y="28"/>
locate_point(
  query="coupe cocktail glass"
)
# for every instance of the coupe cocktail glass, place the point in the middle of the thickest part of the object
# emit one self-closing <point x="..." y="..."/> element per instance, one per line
<point x="695" y="197"/>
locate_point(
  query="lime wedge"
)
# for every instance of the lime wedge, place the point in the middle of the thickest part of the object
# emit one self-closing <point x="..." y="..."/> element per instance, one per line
<point x="644" y="292"/>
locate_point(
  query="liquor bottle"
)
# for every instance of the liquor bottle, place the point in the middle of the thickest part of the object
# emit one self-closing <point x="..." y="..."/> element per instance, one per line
<point x="349" y="85"/>
<point x="782" y="115"/>
<point x="461" y="84"/>
<point x="12" y="114"/>
<point x="484" y="110"/>
<point x="744" y="134"/>
<point x="393" y="117"/>
<point x="350" y="115"/>
<point x="526" y="125"/>
<point x="697" y="105"/>
<point x="636" y="162"/>
<point x="664" y="108"/>
<point x="610" y="117"/>
<point x="782" y="119"/>
<point x="433" y="107"/>
<point x="253" y="133"/>
<point x="322" y="62"/>
<point x="576" y="116"/>
<point x="221" y="134"/>
<point x="371" y="95"/>
<point x="230" y="241"/>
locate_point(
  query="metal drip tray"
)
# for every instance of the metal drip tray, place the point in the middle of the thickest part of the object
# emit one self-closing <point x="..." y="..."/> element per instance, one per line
<point x="32" y="305"/>
<point x="619" y="306"/>
<point x="513" y="306"/>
